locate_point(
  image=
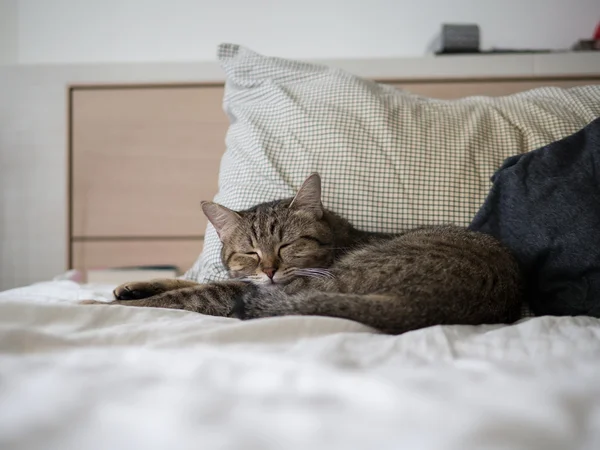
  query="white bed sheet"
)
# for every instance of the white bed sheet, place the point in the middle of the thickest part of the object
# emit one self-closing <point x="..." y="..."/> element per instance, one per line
<point x="93" y="377"/>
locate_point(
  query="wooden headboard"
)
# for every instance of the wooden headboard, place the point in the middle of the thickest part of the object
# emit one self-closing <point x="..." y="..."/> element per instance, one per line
<point x="142" y="157"/>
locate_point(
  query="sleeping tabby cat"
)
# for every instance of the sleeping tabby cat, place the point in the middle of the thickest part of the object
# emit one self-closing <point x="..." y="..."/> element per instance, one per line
<point x="294" y="257"/>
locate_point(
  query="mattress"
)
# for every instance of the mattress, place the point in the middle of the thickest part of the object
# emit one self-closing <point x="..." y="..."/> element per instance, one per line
<point x="95" y="377"/>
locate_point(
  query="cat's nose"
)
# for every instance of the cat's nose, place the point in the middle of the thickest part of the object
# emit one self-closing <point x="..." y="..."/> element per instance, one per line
<point x="270" y="272"/>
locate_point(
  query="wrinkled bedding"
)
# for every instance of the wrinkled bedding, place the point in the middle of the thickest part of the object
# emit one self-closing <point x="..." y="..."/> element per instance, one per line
<point x="94" y="377"/>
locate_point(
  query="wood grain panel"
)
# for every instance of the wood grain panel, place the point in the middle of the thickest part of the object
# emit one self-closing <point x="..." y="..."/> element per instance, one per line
<point x="457" y="89"/>
<point x="143" y="159"/>
<point x="109" y="254"/>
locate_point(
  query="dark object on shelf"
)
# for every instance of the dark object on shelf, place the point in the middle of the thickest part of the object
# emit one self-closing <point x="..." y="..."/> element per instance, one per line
<point x="459" y="39"/>
<point x="504" y="51"/>
<point x="520" y="50"/>
<point x="464" y="39"/>
<point x="587" y="45"/>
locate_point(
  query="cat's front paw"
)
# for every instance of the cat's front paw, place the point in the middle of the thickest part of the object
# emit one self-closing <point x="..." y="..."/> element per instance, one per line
<point x="137" y="290"/>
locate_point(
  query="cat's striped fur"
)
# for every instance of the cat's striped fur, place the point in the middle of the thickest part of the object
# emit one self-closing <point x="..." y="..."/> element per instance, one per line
<point x="294" y="257"/>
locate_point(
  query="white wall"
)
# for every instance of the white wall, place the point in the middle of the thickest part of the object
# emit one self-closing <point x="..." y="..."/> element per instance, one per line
<point x="8" y="31"/>
<point x="33" y="158"/>
<point x="33" y="97"/>
<point x="73" y="31"/>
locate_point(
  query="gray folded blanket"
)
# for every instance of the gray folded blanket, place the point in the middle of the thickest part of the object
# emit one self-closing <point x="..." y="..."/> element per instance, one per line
<point x="545" y="206"/>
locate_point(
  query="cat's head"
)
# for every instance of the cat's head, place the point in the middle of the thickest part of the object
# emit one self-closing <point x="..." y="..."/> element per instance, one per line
<point x="276" y="242"/>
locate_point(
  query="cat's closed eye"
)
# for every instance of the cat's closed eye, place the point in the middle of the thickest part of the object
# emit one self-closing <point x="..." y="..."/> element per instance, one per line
<point x="298" y="248"/>
<point x="247" y="257"/>
<point x="281" y="247"/>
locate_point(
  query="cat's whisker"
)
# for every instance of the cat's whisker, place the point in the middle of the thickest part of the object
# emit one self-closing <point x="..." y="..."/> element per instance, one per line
<point x="314" y="273"/>
<point x="309" y="275"/>
<point x="324" y="272"/>
<point x="317" y="269"/>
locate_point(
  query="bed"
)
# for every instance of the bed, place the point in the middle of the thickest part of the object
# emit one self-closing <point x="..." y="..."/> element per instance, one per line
<point x="116" y="377"/>
<point x="75" y="376"/>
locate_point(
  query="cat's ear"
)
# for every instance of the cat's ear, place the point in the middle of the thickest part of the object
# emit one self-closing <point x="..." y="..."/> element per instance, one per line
<point x="308" y="197"/>
<point x="223" y="219"/>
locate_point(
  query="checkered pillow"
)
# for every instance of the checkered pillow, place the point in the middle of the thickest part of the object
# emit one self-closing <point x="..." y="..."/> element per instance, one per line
<point x="389" y="160"/>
